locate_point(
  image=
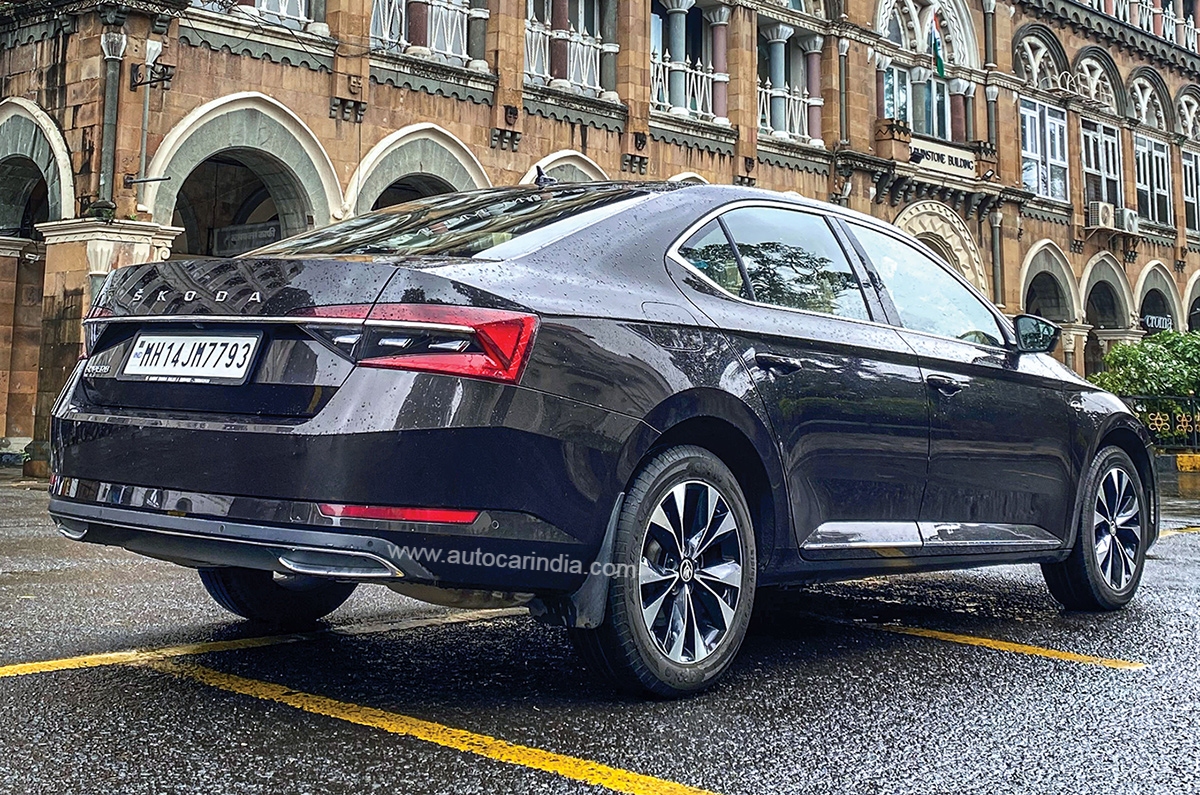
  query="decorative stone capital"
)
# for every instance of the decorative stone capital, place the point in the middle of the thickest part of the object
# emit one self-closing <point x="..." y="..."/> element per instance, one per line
<point x="995" y="218"/>
<point x="113" y="45"/>
<point x="812" y="44"/>
<point x="114" y="244"/>
<point x="882" y="62"/>
<point x="920" y="74"/>
<point x="778" y="32"/>
<point x="718" y="15"/>
<point x="959" y="86"/>
<point x="678" y="6"/>
<point x="992" y="93"/>
<point x="989" y="6"/>
<point x="11" y="247"/>
<point x="843" y="47"/>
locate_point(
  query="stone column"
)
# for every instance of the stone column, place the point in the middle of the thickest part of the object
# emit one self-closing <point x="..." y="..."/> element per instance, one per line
<point x="969" y="110"/>
<point x="777" y="36"/>
<point x="882" y="62"/>
<point x="79" y="254"/>
<point x="1158" y="18"/>
<point x="317" y="25"/>
<point x="417" y="13"/>
<point x="718" y="22"/>
<point x="1179" y="21"/>
<point x="560" y="34"/>
<point x="991" y="93"/>
<point x="676" y="47"/>
<point x="995" y="219"/>
<point x="477" y="22"/>
<point x="1074" y="340"/>
<point x="113" y="44"/>
<point x="609" y="49"/>
<point x="989" y="34"/>
<point x="812" y="73"/>
<point x="918" y="88"/>
<point x="11" y="249"/>
<point x="958" y="109"/>
<point x="843" y="46"/>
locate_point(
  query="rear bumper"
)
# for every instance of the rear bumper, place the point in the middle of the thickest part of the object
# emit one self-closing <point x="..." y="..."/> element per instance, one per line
<point x="501" y="551"/>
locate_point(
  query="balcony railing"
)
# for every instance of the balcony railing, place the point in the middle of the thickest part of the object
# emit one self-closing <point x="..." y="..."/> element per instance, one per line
<point x="1170" y="30"/>
<point x="697" y="87"/>
<point x="448" y="29"/>
<point x="795" y="112"/>
<point x="387" y="26"/>
<point x="1121" y="9"/>
<point x="583" y="61"/>
<point x="537" y="51"/>
<point x="1169" y="20"/>
<point x="291" y="13"/>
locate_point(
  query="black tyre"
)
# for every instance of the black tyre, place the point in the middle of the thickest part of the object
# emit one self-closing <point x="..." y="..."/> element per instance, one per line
<point x="293" y="600"/>
<point x="677" y="614"/>
<point x="1105" y="565"/>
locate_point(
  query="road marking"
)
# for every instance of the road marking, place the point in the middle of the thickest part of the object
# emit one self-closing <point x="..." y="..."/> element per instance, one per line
<point x="132" y="656"/>
<point x="571" y="767"/>
<point x="1177" y="531"/>
<point x="1004" y="645"/>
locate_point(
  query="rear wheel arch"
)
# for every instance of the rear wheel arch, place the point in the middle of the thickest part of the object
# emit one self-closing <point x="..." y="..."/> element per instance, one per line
<point x="744" y="445"/>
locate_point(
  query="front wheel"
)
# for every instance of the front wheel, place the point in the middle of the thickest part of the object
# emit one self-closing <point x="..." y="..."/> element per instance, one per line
<point x="1105" y="565"/>
<point x="679" y="606"/>
<point x="291" y="600"/>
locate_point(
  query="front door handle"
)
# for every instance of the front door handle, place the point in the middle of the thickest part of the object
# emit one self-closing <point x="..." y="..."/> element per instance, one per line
<point x="781" y="365"/>
<point x="946" y="385"/>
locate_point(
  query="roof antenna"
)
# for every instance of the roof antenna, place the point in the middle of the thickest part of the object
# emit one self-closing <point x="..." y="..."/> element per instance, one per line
<point x="542" y="180"/>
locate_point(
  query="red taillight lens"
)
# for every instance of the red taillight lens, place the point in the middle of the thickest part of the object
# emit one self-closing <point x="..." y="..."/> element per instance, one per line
<point x="347" y="311"/>
<point x="388" y="514"/>
<point x="456" y="340"/>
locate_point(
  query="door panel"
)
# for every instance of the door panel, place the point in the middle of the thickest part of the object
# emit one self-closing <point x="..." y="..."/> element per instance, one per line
<point x="845" y="395"/>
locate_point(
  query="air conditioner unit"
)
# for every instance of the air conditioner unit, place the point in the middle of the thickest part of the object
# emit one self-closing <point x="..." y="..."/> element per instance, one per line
<point x="1127" y="220"/>
<point x="1100" y="215"/>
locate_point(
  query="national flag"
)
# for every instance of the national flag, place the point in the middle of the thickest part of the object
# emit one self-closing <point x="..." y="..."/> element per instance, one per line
<point x="935" y="44"/>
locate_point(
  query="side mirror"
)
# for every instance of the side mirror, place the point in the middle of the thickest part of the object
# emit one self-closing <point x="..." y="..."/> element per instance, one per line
<point x="1036" y="335"/>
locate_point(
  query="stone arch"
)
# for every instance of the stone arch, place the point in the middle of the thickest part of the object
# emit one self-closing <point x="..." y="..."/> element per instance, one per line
<point x="1155" y="276"/>
<point x="934" y="219"/>
<point x="1046" y="257"/>
<point x="566" y="165"/>
<point x="1104" y="268"/>
<point x="1192" y="297"/>
<point x="688" y="176"/>
<point x="916" y="17"/>
<point x="1187" y="111"/>
<point x="1096" y="60"/>
<point x="1143" y="83"/>
<point x="420" y="149"/>
<point x="1039" y="58"/>
<point x="266" y="137"/>
<point x="27" y="132"/>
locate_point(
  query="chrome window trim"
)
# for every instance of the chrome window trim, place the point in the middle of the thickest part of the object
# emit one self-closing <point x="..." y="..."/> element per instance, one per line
<point x="292" y="319"/>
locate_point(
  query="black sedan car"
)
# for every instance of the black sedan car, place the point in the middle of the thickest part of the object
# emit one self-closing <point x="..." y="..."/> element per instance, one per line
<point x="627" y="406"/>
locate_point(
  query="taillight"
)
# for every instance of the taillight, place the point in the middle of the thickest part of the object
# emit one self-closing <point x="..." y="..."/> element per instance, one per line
<point x="475" y="342"/>
<point x="390" y="514"/>
<point x="93" y="327"/>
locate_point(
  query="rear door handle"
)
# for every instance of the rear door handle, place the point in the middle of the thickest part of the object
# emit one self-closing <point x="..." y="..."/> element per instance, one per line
<point x="782" y="365"/>
<point x="945" y="384"/>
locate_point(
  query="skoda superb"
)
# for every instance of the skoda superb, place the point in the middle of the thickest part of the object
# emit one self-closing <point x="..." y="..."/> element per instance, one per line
<point x="627" y="406"/>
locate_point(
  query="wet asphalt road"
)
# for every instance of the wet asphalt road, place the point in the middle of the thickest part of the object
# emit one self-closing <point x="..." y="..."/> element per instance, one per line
<point x="818" y="701"/>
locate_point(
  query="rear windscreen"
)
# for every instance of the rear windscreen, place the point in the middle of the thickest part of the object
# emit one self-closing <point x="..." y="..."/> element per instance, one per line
<point x="499" y="224"/>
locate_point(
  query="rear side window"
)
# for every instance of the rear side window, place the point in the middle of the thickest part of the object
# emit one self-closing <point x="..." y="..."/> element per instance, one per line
<point x="794" y="261"/>
<point x="927" y="297"/>
<point x="710" y="253"/>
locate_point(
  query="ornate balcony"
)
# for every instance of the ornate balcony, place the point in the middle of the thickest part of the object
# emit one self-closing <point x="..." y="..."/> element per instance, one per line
<point x="793" y="125"/>
<point x="697" y="87"/>
<point x="387" y="26"/>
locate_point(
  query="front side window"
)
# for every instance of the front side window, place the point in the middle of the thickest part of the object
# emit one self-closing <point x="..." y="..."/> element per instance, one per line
<point x="927" y="297"/>
<point x="1153" y="179"/>
<point x="1191" y="190"/>
<point x="1101" y="163"/>
<point x="794" y="260"/>
<point x="1044" y="149"/>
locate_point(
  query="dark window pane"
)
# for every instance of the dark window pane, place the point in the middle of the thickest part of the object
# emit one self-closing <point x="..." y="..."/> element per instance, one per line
<point x="927" y="297"/>
<point x="794" y="261"/>
<point x="710" y="253"/>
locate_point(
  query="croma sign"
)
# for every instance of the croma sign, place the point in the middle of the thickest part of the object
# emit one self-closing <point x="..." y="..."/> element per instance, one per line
<point x="1157" y="323"/>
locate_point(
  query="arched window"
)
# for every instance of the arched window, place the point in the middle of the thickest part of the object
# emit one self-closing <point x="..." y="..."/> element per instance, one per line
<point x="1147" y="107"/>
<point x="1093" y="85"/>
<point x="1152" y="153"/>
<point x="1044" y="163"/>
<point x="933" y="36"/>
<point x="1187" y="109"/>
<point x="1041" y="67"/>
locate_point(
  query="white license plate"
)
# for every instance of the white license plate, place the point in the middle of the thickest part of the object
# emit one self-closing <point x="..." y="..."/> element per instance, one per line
<point x="191" y="358"/>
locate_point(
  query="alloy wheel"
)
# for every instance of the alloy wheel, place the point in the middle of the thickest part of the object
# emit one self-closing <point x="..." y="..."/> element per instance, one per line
<point x="1117" y="529"/>
<point x="690" y="575"/>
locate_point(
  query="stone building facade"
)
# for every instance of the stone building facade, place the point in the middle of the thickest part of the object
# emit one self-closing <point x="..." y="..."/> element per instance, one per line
<point x="1050" y="149"/>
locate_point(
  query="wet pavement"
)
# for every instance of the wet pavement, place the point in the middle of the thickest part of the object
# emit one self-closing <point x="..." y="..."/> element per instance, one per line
<point x="397" y="696"/>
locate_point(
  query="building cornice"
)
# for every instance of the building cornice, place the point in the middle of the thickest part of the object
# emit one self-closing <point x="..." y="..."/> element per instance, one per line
<point x="219" y="32"/>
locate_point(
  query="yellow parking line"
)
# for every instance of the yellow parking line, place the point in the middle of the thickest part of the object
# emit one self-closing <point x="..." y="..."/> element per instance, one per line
<point x="483" y="745"/>
<point x="139" y="656"/>
<point x="1004" y="645"/>
<point x="1177" y="531"/>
